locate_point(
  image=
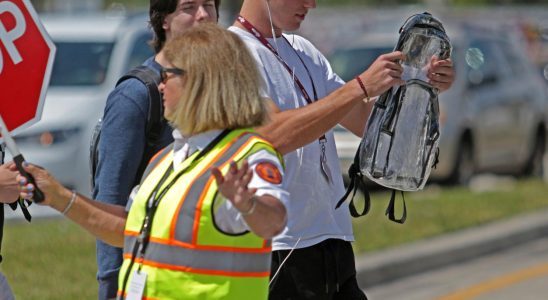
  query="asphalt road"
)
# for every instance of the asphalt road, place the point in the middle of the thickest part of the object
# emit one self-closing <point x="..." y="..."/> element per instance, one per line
<point x="520" y="272"/>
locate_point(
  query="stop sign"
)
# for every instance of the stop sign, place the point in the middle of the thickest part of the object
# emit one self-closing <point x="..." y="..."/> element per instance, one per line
<point x="26" y="59"/>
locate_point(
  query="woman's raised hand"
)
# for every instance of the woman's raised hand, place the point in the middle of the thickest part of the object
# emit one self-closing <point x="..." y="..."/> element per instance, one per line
<point x="233" y="185"/>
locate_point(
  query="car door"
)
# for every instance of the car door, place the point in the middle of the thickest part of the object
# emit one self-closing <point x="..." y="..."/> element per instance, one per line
<point x="492" y="109"/>
<point x="524" y="98"/>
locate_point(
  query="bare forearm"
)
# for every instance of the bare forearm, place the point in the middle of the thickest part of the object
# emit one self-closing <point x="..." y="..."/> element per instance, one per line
<point x="355" y="121"/>
<point x="268" y="218"/>
<point x="292" y="129"/>
<point x="104" y="221"/>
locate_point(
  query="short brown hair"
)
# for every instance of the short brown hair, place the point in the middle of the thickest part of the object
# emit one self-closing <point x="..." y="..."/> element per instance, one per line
<point x="158" y="10"/>
<point x="221" y="88"/>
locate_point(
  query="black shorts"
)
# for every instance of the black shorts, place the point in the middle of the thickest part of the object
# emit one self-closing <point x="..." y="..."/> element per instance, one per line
<point x="324" y="271"/>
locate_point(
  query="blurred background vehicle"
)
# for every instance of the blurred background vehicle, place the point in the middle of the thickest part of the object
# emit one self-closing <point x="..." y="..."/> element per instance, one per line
<point x="494" y="118"/>
<point x="93" y="51"/>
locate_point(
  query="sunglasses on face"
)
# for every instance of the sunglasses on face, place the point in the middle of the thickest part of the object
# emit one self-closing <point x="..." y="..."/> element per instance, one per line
<point x="164" y="73"/>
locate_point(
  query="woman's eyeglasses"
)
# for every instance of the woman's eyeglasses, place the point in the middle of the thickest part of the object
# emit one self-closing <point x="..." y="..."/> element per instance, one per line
<point x="165" y="71"/>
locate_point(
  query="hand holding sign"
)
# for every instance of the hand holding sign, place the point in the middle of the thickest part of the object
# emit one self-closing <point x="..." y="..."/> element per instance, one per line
<point x="19" y="159"/>
<point x="26" y="59"/>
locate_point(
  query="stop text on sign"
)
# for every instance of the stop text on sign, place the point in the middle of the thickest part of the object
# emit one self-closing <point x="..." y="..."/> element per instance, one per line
<point x="8" y="36"/>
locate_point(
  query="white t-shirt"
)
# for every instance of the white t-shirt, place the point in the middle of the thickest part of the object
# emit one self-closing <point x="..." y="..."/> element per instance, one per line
<point x="312" y="217"/>
<point x="227" y="218"/>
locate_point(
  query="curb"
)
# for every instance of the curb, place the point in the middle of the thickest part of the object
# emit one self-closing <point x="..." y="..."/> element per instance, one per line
<point x="388" y="265"/>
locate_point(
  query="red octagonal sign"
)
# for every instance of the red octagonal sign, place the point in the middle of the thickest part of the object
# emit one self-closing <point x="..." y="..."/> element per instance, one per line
<point x="26" y="59"/>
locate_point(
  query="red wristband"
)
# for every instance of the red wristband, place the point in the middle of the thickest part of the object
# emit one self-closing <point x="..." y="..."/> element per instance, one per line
<point x="363" y="87"/>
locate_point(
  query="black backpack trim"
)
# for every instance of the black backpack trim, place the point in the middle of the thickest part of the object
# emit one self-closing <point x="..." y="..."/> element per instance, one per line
<point x="154" y="123"/>
<point x="357" y="183"/>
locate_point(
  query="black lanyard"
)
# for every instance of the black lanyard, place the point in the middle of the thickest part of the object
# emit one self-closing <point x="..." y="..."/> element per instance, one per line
<point x="153" y="202"/>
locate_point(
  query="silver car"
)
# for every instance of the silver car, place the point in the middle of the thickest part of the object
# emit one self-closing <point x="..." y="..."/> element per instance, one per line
<point x="93" y="51"/>
<point x="493" y="119"/>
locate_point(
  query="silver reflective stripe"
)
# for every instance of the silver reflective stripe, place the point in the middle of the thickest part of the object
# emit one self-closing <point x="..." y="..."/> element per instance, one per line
<point x="183" y="229"/>
<point x="157" y="159"/>
<point x="205" y="260"/>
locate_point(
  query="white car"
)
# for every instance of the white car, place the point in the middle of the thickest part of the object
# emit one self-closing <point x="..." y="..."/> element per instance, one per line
<point x="93" y="51"/>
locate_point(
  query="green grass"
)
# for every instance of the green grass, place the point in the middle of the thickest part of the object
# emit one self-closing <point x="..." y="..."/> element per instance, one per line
<point x="49" y="259"/>
<point x="435" y="211"/>
<point x="55" y="259"/>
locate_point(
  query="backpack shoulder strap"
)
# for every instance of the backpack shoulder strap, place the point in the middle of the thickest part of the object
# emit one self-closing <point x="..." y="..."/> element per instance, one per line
<point x="151" y="79"/>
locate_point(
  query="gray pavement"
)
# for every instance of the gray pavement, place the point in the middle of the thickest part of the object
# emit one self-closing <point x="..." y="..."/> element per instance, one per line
<point x="425" y="255"/>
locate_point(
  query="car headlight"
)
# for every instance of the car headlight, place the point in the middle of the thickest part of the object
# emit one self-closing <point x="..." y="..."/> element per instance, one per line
<point x="47" y="138"/>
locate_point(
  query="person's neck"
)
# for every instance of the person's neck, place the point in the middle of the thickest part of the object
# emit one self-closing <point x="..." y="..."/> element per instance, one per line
<point x="256" y="13"/>
<point x="161" y="59"/>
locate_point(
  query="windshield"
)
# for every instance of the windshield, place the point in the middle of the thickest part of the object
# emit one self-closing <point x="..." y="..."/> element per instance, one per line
<point x="80" y="63"/>
<point x="348" y="63"/>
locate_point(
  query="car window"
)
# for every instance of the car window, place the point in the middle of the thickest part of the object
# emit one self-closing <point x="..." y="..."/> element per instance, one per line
<point x="348" y="63"/>
<point x="513" y="58"/>
<point x="80" y="63"/>
<point x="481" y="61"/>
<point x="140" y="50"/>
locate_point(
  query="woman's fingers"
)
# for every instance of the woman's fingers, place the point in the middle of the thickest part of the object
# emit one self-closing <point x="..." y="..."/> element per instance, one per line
<point x="25" y="189"/>
<point x="233" y="169"/>
<point x="218" y="175"/>
<point x="246" y="179"/>
<point x="233" y="185"/>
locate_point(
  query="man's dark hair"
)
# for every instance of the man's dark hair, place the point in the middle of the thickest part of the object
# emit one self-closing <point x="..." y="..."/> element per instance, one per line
<point x="158" y="10"/>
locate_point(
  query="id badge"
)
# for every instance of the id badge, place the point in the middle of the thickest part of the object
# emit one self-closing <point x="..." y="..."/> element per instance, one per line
<point x="137" y="285"/>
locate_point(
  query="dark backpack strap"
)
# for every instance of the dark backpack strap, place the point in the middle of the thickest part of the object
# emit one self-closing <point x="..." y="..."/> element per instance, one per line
<point x="390" y="210"/>
<point x="151" y="79"/>
<point x="356" y="182"/>
<point x="155" y="118"/>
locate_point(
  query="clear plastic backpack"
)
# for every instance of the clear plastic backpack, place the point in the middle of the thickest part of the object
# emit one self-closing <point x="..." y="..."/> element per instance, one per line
<point x="401" y="140"/>
<point x="400" y="145"/>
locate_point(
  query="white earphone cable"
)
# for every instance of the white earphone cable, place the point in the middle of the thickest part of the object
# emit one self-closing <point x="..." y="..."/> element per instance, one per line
<point x="283" y="262"/>
<point x="272" y="26"/>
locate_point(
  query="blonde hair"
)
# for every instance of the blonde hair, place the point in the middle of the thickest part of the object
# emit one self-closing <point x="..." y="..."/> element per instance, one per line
<point x="221" y="88"/>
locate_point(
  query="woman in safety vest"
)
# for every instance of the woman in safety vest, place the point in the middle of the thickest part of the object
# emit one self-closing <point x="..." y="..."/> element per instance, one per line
<point x="182" y="239"/>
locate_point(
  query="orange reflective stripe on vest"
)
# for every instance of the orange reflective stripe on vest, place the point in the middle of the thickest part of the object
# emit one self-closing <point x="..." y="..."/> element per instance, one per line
<point x="181" y="250"/>
<point x="253" y="264"/>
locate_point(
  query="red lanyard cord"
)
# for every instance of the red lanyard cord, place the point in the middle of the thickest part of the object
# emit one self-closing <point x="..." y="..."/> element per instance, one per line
<point x="251" y="29"/>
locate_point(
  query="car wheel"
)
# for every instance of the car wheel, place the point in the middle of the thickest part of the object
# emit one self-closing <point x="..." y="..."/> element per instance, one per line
<point x="535" y="163"/>
<point x="464" y="167"/>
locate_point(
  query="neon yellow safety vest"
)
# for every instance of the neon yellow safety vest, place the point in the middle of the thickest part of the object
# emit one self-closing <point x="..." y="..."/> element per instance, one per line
<point x="187" y="256"/>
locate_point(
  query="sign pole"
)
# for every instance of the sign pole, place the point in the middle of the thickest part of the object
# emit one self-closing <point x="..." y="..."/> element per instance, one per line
<point x="19" y="159"/>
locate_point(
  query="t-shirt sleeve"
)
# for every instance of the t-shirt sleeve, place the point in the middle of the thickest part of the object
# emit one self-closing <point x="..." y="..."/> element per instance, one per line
<point x="267" y="178"/>
<point x="121" y="143"/>
<point x="332" y="80"/>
